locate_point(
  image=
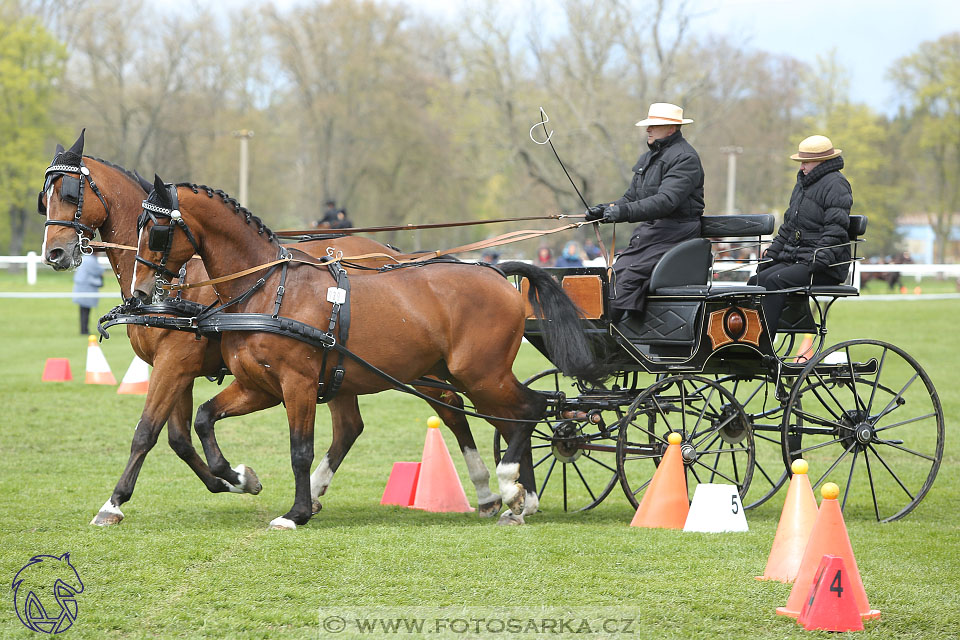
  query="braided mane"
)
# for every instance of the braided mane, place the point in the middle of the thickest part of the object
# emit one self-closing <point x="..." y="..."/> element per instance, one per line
<point x="125" y="172"/>
<point x="236" y="206"/>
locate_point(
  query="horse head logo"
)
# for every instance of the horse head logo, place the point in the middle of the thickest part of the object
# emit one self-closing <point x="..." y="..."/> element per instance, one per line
<point x="41" y="582"/>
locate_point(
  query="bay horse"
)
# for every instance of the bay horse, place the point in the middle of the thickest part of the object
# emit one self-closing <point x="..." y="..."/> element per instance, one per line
<point x="112" y="208"/>
<point x="461" y="322"/>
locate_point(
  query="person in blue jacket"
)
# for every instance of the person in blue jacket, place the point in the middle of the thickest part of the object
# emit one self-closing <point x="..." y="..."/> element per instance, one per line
<point x="88" y="278"/>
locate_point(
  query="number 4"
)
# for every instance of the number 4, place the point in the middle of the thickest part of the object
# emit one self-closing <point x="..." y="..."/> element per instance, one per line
<point x="835" y="585"/>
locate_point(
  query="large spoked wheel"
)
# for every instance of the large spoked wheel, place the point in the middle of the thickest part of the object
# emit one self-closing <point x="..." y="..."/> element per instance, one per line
<point x="871" y="422"/>
<point x="717" y="441"/>
<point x="758" y="397"/>
<point x="574" y="460"/>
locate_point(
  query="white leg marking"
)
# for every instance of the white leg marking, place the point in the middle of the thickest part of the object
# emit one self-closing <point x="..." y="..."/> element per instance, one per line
<point x="320" y="479"/>
<point x="108" y="507"/>
<point x="479" y="475"/>
<point x="238" y="488"/>
<point x="530" y="503"/>
<point x="283" y="523"/>
<point x="507" y="475"/>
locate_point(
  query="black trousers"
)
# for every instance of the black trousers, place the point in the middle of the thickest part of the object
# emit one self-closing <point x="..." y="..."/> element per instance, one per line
<point x="783" y="275"/>
<point x="84" y="320"/>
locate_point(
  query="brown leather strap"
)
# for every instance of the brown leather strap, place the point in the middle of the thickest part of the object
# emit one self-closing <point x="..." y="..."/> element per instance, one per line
<point x="412" y="227"/>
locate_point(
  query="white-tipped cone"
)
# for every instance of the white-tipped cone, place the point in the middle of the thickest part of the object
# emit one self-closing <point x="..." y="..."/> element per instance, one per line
<point x="98" y="371"/>
<point x="136" y="380"/>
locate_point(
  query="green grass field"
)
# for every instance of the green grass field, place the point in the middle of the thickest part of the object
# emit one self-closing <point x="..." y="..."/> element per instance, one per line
<point x="187" y="563"/>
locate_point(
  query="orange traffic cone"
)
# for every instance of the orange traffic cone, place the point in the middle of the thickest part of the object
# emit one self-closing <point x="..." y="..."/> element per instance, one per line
<point x="98" y="371"/>
<point x="438" y="488"/>
<point x="401" y="486"/>
<point x="796" y="521"/>
<point x="665" y="504"/>
<point x="136" y="380"/>
<point x="829" y="605"/>
<point x="56" y="370"/>
<point x="829" y="537"/>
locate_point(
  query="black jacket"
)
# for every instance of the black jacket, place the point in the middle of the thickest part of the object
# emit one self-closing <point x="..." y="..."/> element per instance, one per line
<point x="667" y="183"/>
<point x="818" y="216"/>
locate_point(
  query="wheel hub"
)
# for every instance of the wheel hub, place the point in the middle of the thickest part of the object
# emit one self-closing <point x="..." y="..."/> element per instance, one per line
<point x="734" y="429"/>
<point x="858" y="429"/>
<point x="864" y="433"/>
<point x="565" y="443"/>
<point x="689" y="453"/>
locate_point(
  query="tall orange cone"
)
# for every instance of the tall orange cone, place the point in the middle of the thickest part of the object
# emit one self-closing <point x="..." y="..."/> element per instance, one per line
<point x="98" y="371"/>
<point x="665" y="504"/>
<point x="796" y="522"/>
<point x="56" y="370"/>
<point x="136" y="380"/>
<point x="829" y="537"/>
<point x="438" y="487"/>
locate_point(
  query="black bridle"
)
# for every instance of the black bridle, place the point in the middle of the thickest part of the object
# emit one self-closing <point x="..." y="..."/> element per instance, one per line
<point x="161" y="235"/>
<point x="71" y="190"/>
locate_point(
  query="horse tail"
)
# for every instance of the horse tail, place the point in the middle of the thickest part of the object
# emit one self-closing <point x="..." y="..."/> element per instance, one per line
<point x="567" y="344"/>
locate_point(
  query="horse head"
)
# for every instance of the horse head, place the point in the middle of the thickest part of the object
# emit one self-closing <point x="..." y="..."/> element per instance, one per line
<point x="159" y="247"/>
<point x="71" y="219"/>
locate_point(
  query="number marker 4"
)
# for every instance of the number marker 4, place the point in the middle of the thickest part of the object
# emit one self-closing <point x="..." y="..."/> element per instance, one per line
<point x="829" y="607"/>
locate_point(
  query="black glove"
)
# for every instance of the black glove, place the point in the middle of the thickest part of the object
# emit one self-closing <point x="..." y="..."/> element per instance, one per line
<point x="614" y="213"/>
<point x="595" y="212"/>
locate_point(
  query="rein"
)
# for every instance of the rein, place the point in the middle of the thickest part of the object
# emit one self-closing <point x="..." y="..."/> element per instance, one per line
<point x="432" y="225"/>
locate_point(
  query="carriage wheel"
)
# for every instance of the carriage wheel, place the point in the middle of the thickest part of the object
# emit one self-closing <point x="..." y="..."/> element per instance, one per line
<point x="871" y="422"/>
<point x="574" y="461"/>
<point x="717" y="441"/>
<point x="757" y="395"/>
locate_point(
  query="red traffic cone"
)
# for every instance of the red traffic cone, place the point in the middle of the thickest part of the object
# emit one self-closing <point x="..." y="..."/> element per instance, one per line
<point x="136" y="381"/>
<point x="665" y="504"/>
<point x="829" y="606"/>
<point x="828" y="537"/>
<point x="796" y="522"/>
<point x="438" y="488"/>
<point x="98" y="371"/>
<point x="56" y="370"/>
<point x="402" y="484"/>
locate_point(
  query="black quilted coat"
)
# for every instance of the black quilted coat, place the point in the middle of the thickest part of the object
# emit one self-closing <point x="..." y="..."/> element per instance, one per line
<point x="818" y="216"/>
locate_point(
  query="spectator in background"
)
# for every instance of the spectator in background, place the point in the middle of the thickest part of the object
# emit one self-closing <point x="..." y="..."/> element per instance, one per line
<point x="88" y="278"/>
<point x="591" y="249"/>
<point x="570" y="256"/>
<point x="544" y="257"/>
<point x="490" y="257"/>
<point x="341" y="221"/>
<point x="330" y="216"/>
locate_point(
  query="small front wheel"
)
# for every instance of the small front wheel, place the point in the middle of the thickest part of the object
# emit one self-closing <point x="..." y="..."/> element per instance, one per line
<point x="717" y="444"/>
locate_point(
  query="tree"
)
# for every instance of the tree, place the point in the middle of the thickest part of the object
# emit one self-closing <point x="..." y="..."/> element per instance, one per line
<point x="31" y="64"/>
<point x="930" y="81"/>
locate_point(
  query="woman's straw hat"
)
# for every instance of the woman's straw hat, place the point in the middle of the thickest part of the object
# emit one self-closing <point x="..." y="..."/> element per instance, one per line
<point x="664" y="113"/>
<point x="816" y="149"/>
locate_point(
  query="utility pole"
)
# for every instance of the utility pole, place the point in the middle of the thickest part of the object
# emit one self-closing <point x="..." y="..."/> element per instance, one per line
<point x="244" y="135"/>
<point x="732" y="153"/>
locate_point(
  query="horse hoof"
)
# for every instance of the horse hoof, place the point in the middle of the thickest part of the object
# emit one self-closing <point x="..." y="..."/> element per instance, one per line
<point x="516" y="504"/>
<point x="249" y="481"/>
<point x="106" y="519"/>
<point x="510" y="518"/>
<point x="282" y="524"/>
<point x="315" y="507"/>
<point x="490" y="509"/>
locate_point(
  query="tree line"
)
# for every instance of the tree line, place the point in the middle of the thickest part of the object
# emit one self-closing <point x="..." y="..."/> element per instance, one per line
<point x="402" y="118"/>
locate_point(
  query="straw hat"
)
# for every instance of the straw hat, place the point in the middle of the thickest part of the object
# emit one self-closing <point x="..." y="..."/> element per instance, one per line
<point x="816" y="149"/>
<point x="664" y="113"/>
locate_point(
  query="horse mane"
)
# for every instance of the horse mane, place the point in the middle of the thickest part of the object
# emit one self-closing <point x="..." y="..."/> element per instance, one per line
<point x="129" y="174"/>
<point x="236" y="206"/>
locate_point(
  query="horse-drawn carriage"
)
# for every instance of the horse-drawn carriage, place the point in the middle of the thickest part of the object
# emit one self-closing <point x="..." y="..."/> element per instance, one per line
<point x="700" y="361"/>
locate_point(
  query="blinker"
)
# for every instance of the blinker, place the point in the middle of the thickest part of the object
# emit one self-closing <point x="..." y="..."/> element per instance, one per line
<point x="70" y="189"/>
<point x="160" y="237"/>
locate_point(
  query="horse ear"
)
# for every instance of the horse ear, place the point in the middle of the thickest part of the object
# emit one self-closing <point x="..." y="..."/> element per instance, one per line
<point x="77" y="147"/>
<point x="57" y="152"/>
<point x="160" y="191"/>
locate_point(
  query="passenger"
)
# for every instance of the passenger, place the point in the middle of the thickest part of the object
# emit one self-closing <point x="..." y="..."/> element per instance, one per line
<point x="818" y="218"/>
<point x="665" y="197"/>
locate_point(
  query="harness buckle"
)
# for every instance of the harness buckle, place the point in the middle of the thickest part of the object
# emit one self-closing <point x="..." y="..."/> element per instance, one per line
<point x="85" y="248"/>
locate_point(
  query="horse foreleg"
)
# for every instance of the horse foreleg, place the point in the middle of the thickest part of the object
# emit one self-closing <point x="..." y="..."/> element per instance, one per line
<point x="300" y="400"/>
<point x="164" y="391"/>
<point x="235" y="400"/>
<point x="347" y="427"/>
<point x="488" y="503"/>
